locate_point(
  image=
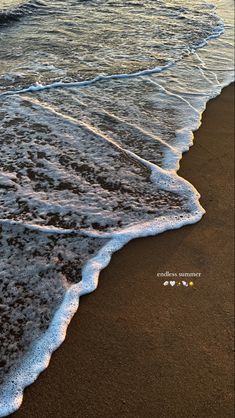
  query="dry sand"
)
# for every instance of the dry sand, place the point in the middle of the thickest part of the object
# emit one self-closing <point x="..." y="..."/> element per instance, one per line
<point x="138" y="349"/>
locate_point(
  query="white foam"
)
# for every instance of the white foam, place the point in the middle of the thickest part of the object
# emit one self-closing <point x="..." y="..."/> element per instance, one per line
<point x="38" y="357"/>
<point x="40" y="87"/>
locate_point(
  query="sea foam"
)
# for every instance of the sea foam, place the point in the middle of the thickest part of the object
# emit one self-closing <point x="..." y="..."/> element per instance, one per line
<point x="90" y="163"/>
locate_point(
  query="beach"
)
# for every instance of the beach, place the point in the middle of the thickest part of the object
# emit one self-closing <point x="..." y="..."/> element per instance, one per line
<point x="137" y="348"/>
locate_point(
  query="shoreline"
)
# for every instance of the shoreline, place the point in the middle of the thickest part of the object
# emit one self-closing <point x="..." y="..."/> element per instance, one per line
<point x="117" y="343"/>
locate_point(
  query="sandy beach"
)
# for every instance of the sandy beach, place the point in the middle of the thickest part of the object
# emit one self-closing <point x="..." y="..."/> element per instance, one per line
<point x="138" y="349"/>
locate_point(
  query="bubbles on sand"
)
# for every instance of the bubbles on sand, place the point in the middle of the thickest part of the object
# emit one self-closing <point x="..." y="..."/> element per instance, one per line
<point x="86" y="166"/>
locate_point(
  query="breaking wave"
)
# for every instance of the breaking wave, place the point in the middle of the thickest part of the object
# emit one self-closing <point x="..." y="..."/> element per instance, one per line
<point x="14" y="10"/>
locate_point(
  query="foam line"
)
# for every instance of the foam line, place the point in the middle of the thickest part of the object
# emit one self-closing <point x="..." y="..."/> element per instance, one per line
<point x="100" y="135"/>
<point x="173" y="94"/>
<point x="203" y="69"/>
<point x="42" y="349"/>
<point x="49" y="230"/>
<point x="141" y="130"/>
<point x="37" y="359"/>
<point x="74" y="122"/>
<point x="39" y="87"/>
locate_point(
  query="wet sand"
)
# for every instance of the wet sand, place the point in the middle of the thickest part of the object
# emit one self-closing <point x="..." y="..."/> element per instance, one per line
<point x="138" y="349"/>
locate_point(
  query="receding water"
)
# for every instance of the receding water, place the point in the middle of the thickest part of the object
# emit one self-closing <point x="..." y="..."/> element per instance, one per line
<point x="98" y="101"/>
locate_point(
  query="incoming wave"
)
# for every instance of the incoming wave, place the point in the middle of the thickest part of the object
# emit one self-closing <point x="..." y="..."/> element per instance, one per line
<point x="13" y="11"/>
<point x="87" y="168"/>
<point x="126" y="38"/>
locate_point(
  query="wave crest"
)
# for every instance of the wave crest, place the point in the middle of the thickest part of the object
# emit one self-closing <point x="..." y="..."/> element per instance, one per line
<point x="18" y="11"/>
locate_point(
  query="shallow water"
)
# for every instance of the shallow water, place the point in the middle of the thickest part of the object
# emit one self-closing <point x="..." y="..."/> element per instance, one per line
<point x="98" y="101"/>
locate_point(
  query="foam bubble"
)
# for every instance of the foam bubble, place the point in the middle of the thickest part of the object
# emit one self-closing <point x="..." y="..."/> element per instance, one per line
<point x="86" y="166"/>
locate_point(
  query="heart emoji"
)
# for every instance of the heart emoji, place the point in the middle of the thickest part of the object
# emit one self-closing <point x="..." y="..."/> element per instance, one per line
<point x="172" y="283"/>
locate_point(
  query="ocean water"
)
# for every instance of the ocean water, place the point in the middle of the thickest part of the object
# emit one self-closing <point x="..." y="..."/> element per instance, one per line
<point x="98" y="101"/>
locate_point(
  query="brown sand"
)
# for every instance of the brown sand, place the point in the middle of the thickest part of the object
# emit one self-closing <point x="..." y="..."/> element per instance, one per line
<point x="138" y="349"/>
